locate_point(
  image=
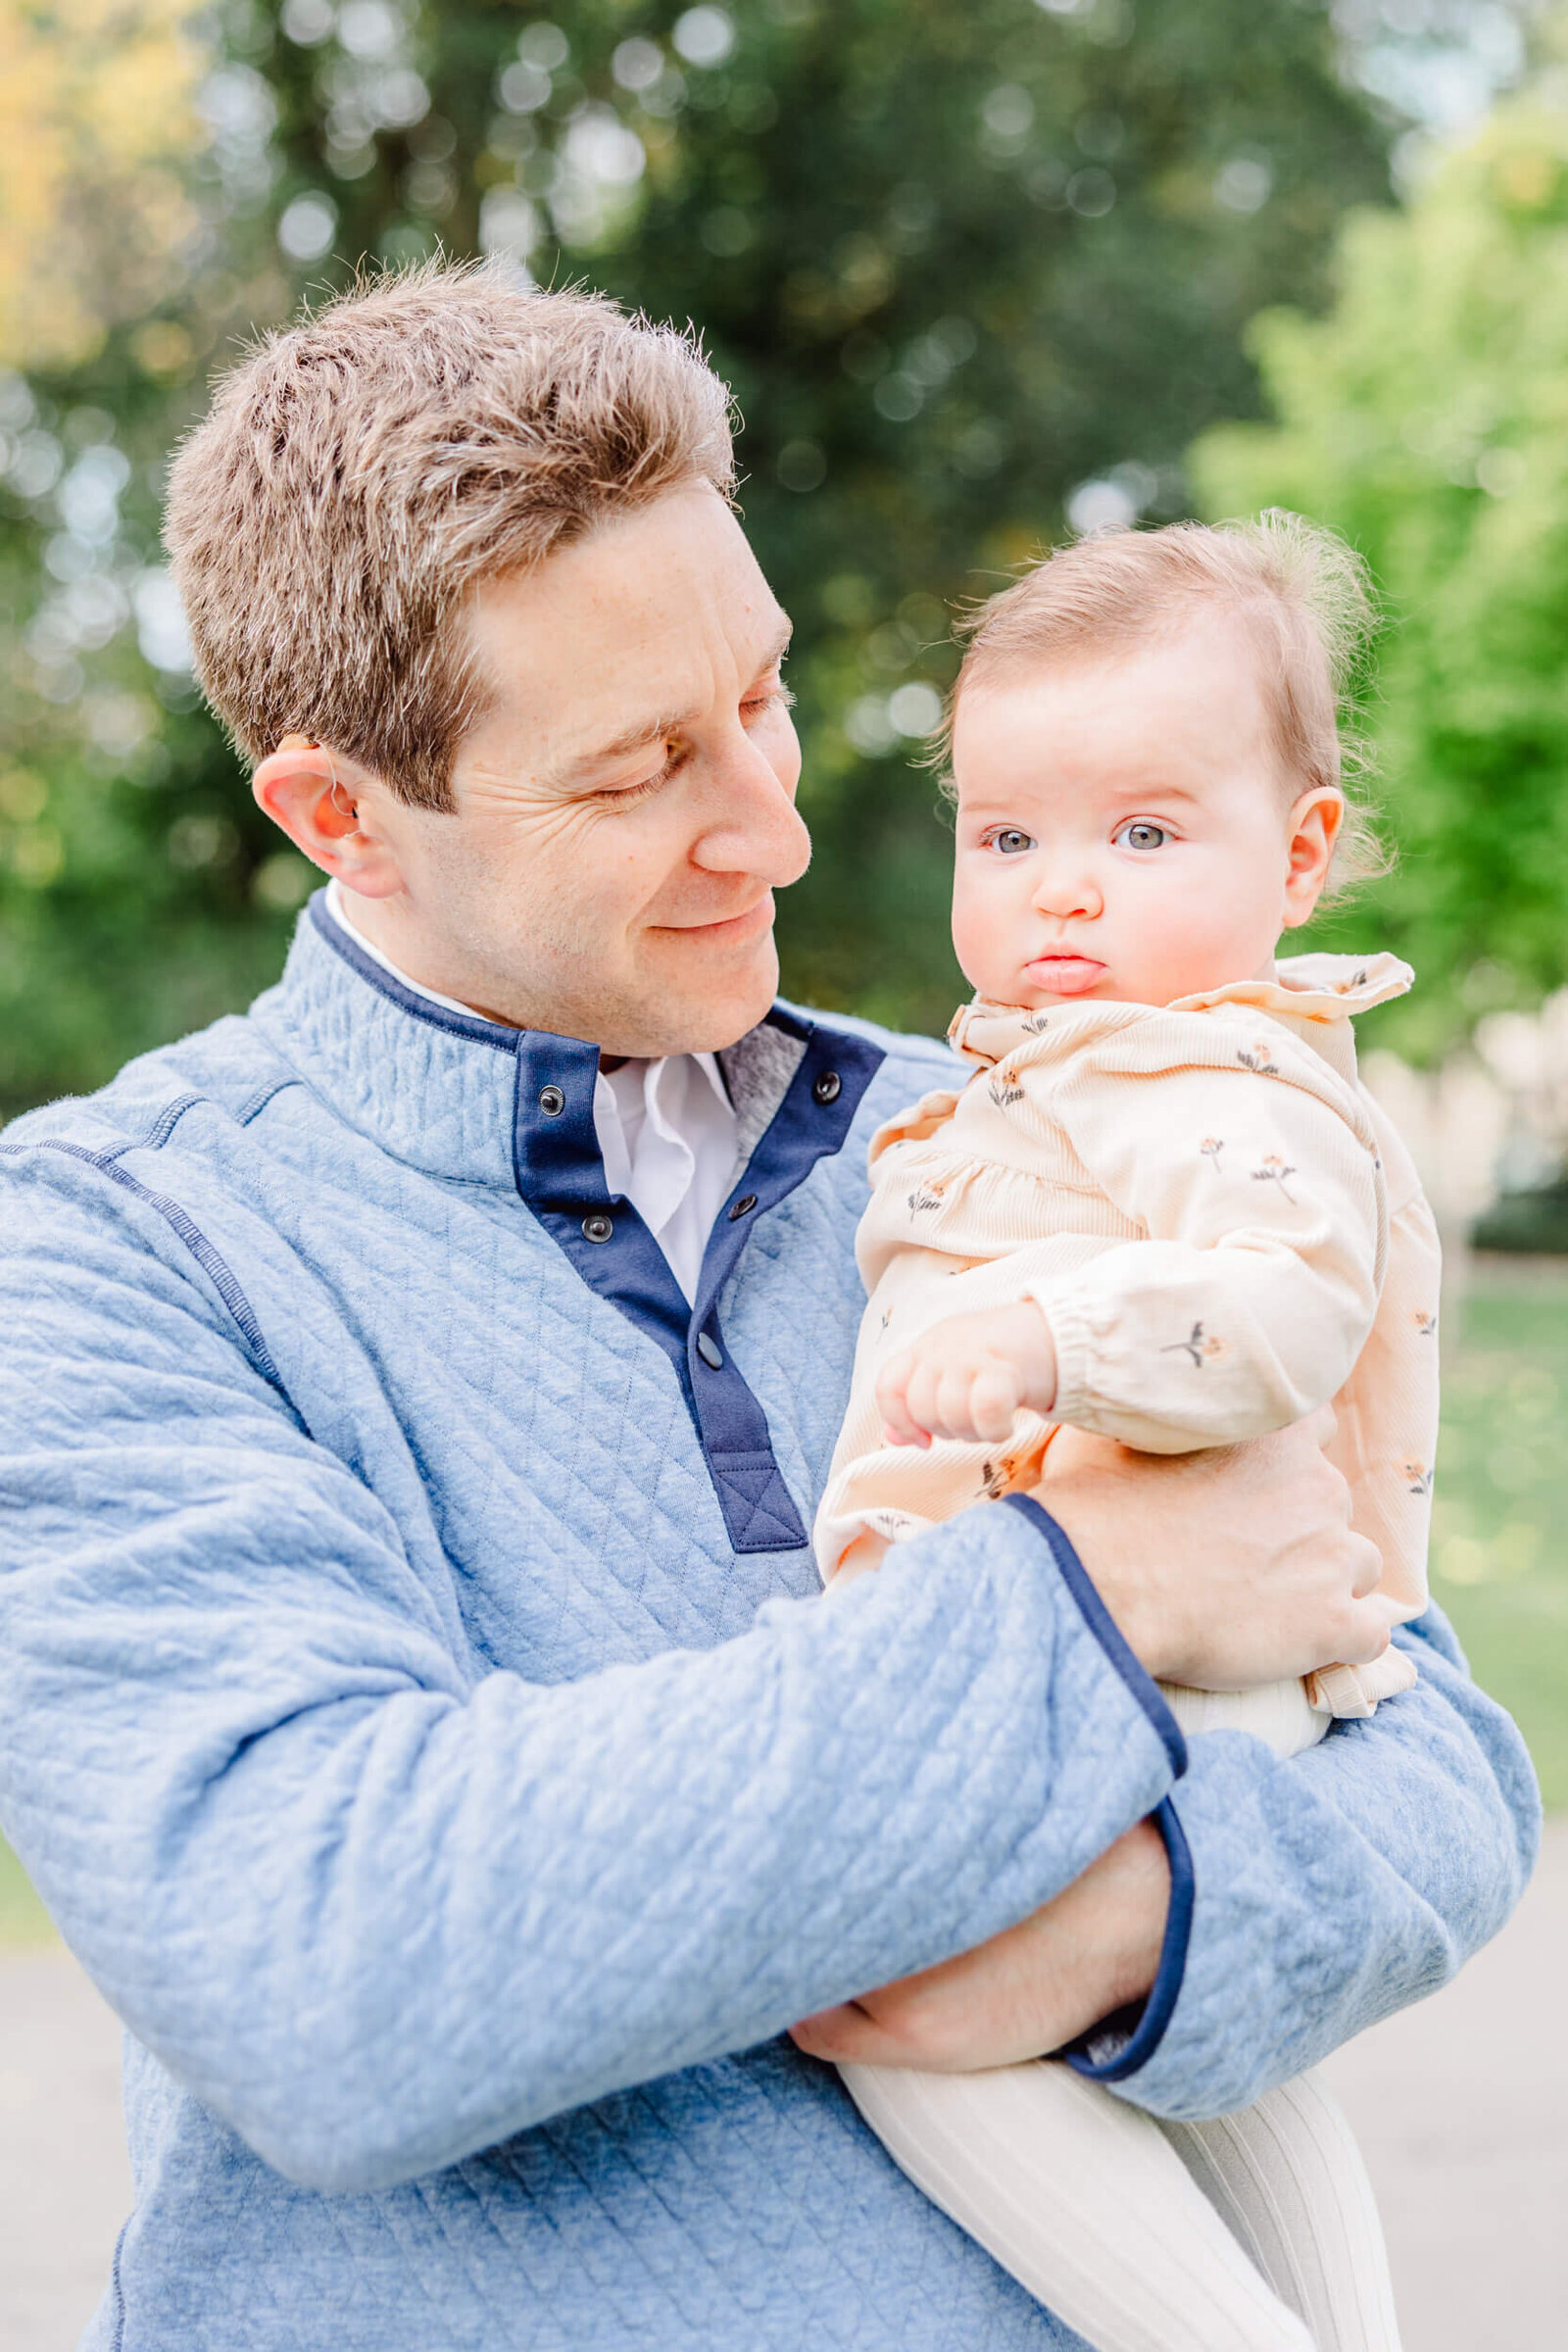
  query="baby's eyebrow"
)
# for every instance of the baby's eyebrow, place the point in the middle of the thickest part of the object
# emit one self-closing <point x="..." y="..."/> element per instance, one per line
<point x="1013" y="800"/>
<point x="1147" y="792"/>
<point x="1168" y="793"/>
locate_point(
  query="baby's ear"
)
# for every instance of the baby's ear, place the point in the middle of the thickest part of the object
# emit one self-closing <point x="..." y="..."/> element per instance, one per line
<point x="1314" y="824"/>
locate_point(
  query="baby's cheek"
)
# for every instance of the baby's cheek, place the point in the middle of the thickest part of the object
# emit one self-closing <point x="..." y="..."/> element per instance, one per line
<point x="988" y="934"/>
<point x="1208" y="936"/>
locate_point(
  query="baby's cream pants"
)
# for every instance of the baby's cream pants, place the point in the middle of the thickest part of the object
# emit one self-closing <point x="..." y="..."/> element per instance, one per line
<point x="1255" y="2234"/>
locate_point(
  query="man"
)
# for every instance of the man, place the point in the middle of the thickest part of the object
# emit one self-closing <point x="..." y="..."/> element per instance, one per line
<point x="415" y="1703"/>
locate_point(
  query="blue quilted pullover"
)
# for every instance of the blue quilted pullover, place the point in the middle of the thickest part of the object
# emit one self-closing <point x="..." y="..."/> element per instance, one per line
<point x="417" y="1709"/>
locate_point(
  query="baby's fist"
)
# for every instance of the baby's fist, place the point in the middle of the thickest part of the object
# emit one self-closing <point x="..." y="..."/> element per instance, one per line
<point x="968" y="1377"/>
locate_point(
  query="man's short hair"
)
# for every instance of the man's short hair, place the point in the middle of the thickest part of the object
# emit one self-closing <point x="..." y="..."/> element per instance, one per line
<point x="360" y="473"/>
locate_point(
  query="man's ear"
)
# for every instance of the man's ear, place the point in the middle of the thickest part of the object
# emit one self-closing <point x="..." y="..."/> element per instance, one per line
<point x="1315" y="828"/>
<point x="329" y="807"/>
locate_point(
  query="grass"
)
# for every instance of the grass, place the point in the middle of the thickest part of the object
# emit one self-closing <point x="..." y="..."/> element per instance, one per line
<point x="1499" y="1534"/>
<point x="22" y="1918"/>
<point x="1499" y="1549"/>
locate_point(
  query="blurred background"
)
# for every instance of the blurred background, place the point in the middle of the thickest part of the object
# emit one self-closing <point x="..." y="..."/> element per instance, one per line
<point x="980" y="274"/>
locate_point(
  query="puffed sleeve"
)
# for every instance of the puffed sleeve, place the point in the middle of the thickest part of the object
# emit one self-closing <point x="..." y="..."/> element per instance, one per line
<point x="1254" y="1172"/>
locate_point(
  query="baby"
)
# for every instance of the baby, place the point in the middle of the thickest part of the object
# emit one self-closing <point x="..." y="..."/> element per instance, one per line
<point x="1162" y="1209"/>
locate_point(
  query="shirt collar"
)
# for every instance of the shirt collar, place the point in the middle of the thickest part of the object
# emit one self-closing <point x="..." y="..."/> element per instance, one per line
<point x="649" y="1072"/>
<point x="643" y="1087"/>
<point x="656" y="1121"/>
<point x="460" y="1096"/>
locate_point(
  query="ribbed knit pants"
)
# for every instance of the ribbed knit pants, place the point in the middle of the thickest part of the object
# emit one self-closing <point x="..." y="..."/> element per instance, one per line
<point x="1255" y="2234"/>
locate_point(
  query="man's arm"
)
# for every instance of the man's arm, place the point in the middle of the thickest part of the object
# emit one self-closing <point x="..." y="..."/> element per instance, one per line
<point x="1328" y="1890"/>
<point x="1338" y="1886"/>
<point x="379" y="1912"/>
<point x="1097" y="1949"/>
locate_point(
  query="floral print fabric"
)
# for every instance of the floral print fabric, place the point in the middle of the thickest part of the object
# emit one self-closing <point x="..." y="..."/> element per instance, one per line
<point x="1218" y="1221"/>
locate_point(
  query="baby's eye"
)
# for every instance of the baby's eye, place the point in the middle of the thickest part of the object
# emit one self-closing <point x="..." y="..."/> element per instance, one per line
<point x="1139" y="834"/>
<point x="1011" y="841"/>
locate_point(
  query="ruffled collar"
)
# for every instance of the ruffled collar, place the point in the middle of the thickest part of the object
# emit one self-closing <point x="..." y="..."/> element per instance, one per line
<point x="1304" y="990"/>
<point x="1313" y="988"/>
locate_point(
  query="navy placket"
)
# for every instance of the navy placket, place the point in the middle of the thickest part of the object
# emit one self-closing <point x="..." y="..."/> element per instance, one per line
<point x="560" y="1173"/>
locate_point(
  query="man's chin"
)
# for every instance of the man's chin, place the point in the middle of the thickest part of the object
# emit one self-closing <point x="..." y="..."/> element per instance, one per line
<point x="694" y="1013"/>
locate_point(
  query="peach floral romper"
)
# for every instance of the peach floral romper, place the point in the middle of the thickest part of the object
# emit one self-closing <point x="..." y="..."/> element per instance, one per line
<point x="1224" y="1233"/>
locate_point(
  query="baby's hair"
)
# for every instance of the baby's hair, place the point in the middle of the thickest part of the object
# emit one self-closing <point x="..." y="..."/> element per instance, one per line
<point x="1303" y="592"/>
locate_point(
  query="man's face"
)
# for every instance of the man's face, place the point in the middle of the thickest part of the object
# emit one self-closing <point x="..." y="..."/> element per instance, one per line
<point x="625" y="806"/>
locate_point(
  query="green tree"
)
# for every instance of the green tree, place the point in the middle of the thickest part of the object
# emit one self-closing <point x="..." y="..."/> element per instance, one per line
<point x="1426" y="415"/>
<point x="959" y="263"/>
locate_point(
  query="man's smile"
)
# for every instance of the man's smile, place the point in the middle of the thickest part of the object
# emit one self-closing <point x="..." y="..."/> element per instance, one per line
<point x="753" y="920"/>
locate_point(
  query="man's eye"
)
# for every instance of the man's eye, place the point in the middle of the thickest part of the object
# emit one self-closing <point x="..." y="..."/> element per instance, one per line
<point x="1140" y="835"/>
<point x="622" y="795"/>
<point x="1011" y="841"/>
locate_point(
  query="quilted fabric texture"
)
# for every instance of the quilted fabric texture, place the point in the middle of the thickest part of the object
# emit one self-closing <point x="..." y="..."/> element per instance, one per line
<point x="455" y="1817"/>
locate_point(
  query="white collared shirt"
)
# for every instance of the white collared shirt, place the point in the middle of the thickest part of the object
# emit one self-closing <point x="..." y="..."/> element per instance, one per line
<point x="667" y="1130"/>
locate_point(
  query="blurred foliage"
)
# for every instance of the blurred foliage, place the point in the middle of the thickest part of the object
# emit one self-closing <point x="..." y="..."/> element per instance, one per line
<point x="96" y="122"/>
<point x="970" y="269"/>
<point x="1427" y="416"/>
<point x="1529" y="1223"/>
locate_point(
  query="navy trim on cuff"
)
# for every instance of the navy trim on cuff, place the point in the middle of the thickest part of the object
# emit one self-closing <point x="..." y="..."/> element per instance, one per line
<point x="1146" y="2031"/>
<point x="1105" y="1631"/>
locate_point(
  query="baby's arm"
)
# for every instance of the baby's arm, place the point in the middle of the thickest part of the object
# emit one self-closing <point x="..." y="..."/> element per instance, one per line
<point x="1254" y="1174"/>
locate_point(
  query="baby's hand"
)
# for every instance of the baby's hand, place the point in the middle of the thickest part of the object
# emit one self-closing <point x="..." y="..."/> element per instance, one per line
<point x="968" y="1377"/>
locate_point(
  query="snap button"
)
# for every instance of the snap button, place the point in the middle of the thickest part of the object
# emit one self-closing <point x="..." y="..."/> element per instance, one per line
<point x="598" y="1227"/>
<point x="552" y="1101"/>
<point x="710" y="1352"/>
<point x="828" y="1087"/>
<point x="743" y="1207"/>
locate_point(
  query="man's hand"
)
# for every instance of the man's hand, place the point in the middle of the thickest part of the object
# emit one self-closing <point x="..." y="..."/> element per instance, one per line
<point x="1228" y="1568"/>
<point x="1028" y="1990"/>
<point x="968" y="1377"/>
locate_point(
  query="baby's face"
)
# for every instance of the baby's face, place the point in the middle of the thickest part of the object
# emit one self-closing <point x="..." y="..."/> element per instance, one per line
<point x="1123" y="829"/>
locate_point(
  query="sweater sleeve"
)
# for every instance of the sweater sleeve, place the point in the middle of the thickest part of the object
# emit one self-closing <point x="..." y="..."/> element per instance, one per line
<point x="380" y="1910"/>
<point x="1335" y="1887"/>
<point x="1254" y="1172"/>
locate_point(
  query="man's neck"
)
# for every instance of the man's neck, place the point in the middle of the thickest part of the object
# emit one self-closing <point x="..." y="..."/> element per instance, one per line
<point x="346" y="909"/>
<point x="347" y="912"/>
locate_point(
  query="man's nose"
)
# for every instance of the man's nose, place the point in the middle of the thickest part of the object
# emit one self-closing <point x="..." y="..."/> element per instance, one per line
<point x="754" y="826"/>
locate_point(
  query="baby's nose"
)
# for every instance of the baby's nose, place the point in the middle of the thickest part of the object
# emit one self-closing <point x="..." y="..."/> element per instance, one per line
<point x="1069" y="889"/>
